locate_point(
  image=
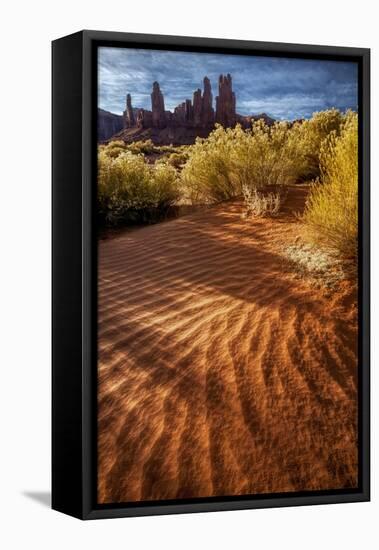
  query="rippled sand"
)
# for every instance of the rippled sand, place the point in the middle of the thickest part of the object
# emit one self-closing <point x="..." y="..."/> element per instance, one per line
<point x="220" y="373"/>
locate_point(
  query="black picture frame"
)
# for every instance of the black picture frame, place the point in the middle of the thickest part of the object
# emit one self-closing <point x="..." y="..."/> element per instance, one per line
<point x="74" y="292"/>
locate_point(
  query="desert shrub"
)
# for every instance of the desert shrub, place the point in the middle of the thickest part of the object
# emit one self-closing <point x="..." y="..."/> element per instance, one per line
<point x="266" y="156"/>
<point x="229" y="159"/>
<point x="114" y="148"/>
<point x="331" y="214"/>
<point x="308" y="137"/>
<point x="178" y="160"/>
<point x="145" y="147"/>
<point x="164" y="185"/>
<point x="208" y="173"/>
<point x="130" y="190"/>
<point x="259" y="204"/>
<point x="170" y="148"/>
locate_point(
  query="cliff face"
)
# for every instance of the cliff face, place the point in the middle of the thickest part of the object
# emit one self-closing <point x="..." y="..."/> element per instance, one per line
<point x="108" y="124"/>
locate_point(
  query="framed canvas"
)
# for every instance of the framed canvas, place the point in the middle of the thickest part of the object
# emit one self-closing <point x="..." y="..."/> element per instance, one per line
<point x="210" y="275"/>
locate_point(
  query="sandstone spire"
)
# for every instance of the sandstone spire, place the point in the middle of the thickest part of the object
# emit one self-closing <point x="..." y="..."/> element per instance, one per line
<point x="225" y="102"/>
<point x="197" y="107"/>
<point x="203" y="113"/>
<point x="157" y="107"/>
<point x="198" y="113"/>
<point x="129" y="119"/>
<point x="207" y="109"/>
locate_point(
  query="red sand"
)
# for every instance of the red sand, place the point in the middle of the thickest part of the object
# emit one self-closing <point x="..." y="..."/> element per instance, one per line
<point x="220" y="373"/>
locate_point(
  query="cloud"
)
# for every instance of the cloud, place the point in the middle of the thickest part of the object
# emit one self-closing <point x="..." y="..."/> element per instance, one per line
<point x="282" y="87"/>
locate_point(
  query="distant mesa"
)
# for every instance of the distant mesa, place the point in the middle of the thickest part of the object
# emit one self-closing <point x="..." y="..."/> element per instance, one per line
<point x="189" y="120"/>
<point x="108" y="124"/>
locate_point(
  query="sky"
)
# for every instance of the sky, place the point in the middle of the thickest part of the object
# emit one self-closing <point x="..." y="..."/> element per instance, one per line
<point x="284" y="88"/>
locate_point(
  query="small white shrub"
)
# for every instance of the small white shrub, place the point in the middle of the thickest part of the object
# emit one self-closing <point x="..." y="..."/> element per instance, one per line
<point x="261" y="204"/>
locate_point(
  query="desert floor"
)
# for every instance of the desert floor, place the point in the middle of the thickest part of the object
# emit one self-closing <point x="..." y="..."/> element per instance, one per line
<point x="221" y="372"/>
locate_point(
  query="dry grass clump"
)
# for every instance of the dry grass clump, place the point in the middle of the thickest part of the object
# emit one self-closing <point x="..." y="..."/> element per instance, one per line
<point x="331" y="214"/>
<point x="260" y="204"/>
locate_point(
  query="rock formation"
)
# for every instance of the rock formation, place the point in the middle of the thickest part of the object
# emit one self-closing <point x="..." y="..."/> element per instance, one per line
<point x="157" y="107"/>
<point x="108" y="124"/>
<point x="144" y="118"/>
<point x="189" y="120"/>
<point x="207" y="111"/>
<point x="247" y="120"/>
<point x="129" y="119"/>
<point x="197" y="113"/>
<point x="225" y="102"/>
<point x="197" y="107"/>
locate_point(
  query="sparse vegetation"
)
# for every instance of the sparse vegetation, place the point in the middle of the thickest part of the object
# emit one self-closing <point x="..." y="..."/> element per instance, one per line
<point x="140" y="181"/>
<point x="146" y="147"/>
<point x="308" y="260"/>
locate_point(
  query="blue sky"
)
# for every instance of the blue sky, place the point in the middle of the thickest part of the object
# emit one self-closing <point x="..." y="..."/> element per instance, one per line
<point x="283" y="88"/>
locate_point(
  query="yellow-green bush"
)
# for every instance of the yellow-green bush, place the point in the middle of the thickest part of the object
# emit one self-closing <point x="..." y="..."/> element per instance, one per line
<point x="229" y="160"/>
<point x="308" y="137"/>
<point x="114" y="148"/>
<point x="130" y="190"/>
<point x="171" y="148"/>
<point x="207" y="175"/>
<point x="142" y="147"/>
<point x="331" y="214"/>
<point x="178" y="160"/>
<point x="145" y="147"/>
<point x="266" y="156"/>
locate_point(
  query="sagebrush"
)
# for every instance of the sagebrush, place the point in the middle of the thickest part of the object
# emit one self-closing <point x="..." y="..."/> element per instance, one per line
<point x="131" y="190"/>
<point x="331" y="214"/>
<point x="140" y="181"/>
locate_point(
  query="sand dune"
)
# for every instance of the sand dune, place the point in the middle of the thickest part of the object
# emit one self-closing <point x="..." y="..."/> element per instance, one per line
<point x="220" y="373"/>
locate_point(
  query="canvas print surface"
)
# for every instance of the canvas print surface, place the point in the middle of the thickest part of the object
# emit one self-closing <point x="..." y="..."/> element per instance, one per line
<point x="227" y="214"/>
